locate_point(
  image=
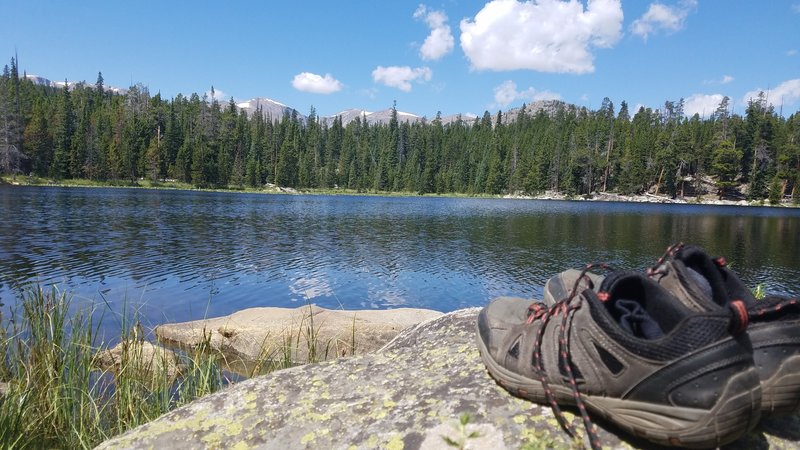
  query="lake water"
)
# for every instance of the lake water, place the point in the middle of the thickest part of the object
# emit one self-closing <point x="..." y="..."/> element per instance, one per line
<point x="177" y="255"/>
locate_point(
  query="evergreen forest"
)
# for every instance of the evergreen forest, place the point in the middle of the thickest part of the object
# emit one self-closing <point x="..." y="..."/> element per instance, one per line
<point x="87" y="131"/>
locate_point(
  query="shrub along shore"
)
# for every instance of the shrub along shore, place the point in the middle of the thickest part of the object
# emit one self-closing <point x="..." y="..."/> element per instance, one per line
<point x="737" y="199"/>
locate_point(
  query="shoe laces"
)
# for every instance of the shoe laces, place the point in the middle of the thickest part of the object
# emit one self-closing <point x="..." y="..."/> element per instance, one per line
<point x="658" y="268"/>
<point x="565" y="308"/>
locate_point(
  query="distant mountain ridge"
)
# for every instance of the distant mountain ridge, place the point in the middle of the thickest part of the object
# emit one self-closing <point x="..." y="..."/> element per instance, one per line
<point x="42" y="81"/>
<point x="275" y="110"/>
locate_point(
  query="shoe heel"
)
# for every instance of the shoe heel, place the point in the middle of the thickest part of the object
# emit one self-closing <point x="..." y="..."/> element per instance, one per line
<point x="781" y="392"/>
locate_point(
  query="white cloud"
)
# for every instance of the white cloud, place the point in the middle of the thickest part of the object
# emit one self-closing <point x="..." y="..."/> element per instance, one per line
<point x="507" y="93"/>
<point x="440" y="42"/>
<point x="546" y="36"/>
<point x="401" y="77"/>
<point x="796" y="7"/>
<point x="792" y="52"/>
<point x="662" y="17"/>
<point x="786" y="93"/>
<point x="317" y="84"/>
<point x="218" y="95"/>
<point x="703" y="104"/>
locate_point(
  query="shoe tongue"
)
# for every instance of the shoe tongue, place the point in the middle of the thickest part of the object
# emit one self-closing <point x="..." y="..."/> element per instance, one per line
<point x="614" y="279"/>
<point x="702" y="284"/>
<point x="705" y="275"/>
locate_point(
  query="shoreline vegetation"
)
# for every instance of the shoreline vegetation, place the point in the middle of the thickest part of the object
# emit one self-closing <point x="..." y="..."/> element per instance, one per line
<point x="696" y="199"/>
<point x="60" y="387"/>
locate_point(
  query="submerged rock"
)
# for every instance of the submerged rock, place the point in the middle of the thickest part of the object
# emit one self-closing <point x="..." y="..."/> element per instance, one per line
<point x="142" y="357"/>
<point x="293" y="335"/>
<point x="426" y="389"/>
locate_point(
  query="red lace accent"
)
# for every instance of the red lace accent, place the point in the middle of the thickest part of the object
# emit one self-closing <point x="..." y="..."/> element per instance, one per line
<point x="740" y="310"/>
<point x="565" y="308"/>
<point x="668" y="253"/>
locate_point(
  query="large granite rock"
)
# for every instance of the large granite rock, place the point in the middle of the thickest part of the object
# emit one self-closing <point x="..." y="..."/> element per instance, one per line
<point x="413" y="394"/>
<point x="294" y="335"/>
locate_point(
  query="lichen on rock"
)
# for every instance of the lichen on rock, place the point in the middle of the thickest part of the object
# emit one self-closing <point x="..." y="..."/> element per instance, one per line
<point x="413" y="393"/>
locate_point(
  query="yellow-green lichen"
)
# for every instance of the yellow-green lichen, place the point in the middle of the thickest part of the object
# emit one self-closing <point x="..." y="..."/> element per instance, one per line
<point x="308" y="438"/>
<point x="372" y="442"/>
<point x="241" y="445"/>
<point x="234" y="429"/>
<point x="395" y="443"/>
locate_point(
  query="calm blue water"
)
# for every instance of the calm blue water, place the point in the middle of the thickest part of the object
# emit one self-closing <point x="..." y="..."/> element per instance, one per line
<point x="178" y="255"/>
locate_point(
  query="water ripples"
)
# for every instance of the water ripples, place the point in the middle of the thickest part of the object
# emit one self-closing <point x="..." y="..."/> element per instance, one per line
<point x="184" y="254"/>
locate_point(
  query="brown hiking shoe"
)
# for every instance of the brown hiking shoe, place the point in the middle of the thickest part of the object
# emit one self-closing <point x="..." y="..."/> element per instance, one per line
<point x="706" y="284"/>
<point x="703" y="283"/>
<point x="631" y="354"/>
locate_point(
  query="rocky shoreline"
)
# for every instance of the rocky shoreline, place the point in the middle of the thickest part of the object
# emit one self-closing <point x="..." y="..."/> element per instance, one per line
<point x="699" y="199"/>
<point x="650" y="198"/>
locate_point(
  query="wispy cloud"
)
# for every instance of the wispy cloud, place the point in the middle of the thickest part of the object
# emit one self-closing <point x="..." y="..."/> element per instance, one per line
<point x="370" y="93"/>
<point x="786" y="93"/>
<point x="724" y="80"/>
<point x="400" y="77"/>
<point x="792" y="52"/>
<point x="660" y="17"/>
<point x="440" y="41"/>
<point x="507" y="93"/>
<point x="316" y="84"/>
<point x="546" y="36"/>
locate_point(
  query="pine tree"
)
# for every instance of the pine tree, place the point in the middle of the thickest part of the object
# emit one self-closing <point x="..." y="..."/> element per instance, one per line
<point x="38" y="141"/>
<point x="63" y="129"/>
<point x="725" y="166"/>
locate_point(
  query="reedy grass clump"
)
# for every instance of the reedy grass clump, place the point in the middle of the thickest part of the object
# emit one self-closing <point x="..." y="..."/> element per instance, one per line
<point x="56" y="395"/>
<point x="53" y="394"/>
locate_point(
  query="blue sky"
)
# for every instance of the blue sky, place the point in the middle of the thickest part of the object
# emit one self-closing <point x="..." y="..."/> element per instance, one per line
<point x="444" y="55"/>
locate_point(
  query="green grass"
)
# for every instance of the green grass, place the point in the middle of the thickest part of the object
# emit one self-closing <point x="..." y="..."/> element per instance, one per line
<point x="57" y="396"/>
<point x="177" y="185"/>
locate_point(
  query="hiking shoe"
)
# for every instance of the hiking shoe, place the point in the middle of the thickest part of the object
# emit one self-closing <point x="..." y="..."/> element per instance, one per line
<point x="633" y="355"/>
<point x="706" y="284"/>
<point x="703" y="283"/>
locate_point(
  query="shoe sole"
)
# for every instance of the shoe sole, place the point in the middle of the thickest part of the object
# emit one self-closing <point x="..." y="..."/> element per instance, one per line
<point x="780" y="391"/>
<point x="736" y="412"/>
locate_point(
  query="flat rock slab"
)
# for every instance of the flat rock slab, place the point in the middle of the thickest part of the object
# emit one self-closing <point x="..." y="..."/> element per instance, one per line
<point x="409" y="395"/>
<point x="292" y="334"/>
